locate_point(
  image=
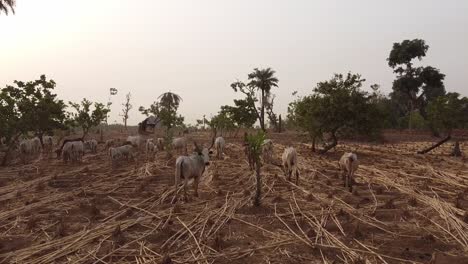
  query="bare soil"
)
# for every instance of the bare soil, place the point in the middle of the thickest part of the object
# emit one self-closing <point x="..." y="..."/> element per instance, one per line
<point x="405" y="208"/>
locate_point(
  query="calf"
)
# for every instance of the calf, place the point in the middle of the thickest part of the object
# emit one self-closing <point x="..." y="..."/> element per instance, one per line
<point x="219" y="146"/>
<point x="290" y="163"/>
<point x="91" y="145"/>
<point x="48" y="143"/>
<point x="118" y="153"/>
<point x="36" y="145"/>
<point x="160" y="143"/>
<point x="150" y="147"/>
<point x="180" y="144"/>
<point x="136" y="141"/>
<point x="73" y="151"/>
<point x="348" y="165"/>
<point x="192" y="166"/>
<point x="25" y="149"/>
<point x="109" y="143"/>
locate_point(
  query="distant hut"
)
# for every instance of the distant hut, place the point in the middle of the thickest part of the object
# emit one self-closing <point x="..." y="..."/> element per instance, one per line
<point x="149" y="124"/>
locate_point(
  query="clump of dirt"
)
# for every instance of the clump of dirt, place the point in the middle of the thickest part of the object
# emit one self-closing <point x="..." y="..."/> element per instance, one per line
<point x="218" y="242"/>
<point x="278" y="199"/>
<point x="413" y="202"/>
<point x="60" y="229"/>
<point x="166" y="260"/>
<point x="117" y="236"/>
<point x="389" y="204"/>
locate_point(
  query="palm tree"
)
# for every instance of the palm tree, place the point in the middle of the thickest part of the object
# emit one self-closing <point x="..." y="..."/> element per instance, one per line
<point x="7" y="4"/>
<point x="263" y="80"/>
<point x="170" y="100"/>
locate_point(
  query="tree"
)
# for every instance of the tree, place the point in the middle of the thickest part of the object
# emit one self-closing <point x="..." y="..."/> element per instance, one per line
<point x="166" y="110"/>
<point x="416" y="85"/>
<point x="254" y="145"/>
<point x="6" y="5"/>
<point x="29" y="107"/>
<point x="303" y="114"/>
<point x="270" y="100"/>
<point x="260" y="80"/>
<point x="126" y="109"/>
<point x="85" y="118"/>
<point x="446" y="113"/>
<point x="337" y="106"/>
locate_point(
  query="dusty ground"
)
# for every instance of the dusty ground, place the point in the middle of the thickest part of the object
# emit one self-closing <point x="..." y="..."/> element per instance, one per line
<point x="405" y="208"/>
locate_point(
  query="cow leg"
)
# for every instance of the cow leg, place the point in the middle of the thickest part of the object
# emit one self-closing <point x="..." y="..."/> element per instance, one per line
<point x="195" y="186"/>
<point x="185" y="189"/>
<point x="297" y="176"/>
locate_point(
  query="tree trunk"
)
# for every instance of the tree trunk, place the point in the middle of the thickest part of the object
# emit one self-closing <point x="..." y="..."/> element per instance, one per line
<point x="424" y="151"/>
<point x="313" y="144"/>
<point x="456" y="152"/>
<point x="10" y="147"/>
<point x="262" y="111"/>
<point x="258" y="192"/>
<point x="279" y="124"/>
<point x="329" y="146"/>
<point x="101" y="134"/>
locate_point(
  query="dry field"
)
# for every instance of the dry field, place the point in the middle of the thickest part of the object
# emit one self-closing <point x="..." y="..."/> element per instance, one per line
<point x="406" y="208"/>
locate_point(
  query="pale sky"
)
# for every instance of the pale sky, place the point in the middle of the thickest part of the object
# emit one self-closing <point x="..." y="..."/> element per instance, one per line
<point x="197" y="48"/>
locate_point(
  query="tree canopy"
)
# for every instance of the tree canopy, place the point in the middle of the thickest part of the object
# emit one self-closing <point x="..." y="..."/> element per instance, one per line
<point x="414" y="86"/>
<point x="166" y="110"/>
<point x="30" y="107"/>
<point x="338" y="105"/>
<point x="86" y="118"/>
<point x="261" y="81"/>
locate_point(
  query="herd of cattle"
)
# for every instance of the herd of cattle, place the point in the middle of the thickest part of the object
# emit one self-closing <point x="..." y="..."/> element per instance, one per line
<point x="187" y="166"/>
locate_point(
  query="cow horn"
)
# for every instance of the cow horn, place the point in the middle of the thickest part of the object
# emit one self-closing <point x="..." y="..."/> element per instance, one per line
<point x="197" y="148"/>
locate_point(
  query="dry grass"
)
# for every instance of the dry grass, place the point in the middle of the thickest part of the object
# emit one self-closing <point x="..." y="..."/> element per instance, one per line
<point x="403" y="208"/>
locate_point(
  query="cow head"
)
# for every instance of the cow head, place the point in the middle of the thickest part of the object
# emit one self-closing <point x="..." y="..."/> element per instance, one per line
<point x="204" y="153"/>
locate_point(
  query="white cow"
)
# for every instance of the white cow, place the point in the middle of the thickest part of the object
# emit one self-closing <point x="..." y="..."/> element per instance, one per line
<point x="348" y="165"/>
<point x="150" y="147"/>
<point x="219" y="145"/>
<point x="48" y="143"/>
<point x="91" y="145"/>
<point x="192" y="166"/>
<point x="118" y="153"/>
<point x="160" y="143"/>
<point x="136" y="141"/>
<point x="73" y="151"/>
<point x="180" y="144"/>
<point x="26" y="150"/>
<point x="289" y="159"/>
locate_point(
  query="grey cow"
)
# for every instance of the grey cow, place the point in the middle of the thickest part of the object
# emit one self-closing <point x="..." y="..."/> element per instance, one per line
<point x="192" y="166"/>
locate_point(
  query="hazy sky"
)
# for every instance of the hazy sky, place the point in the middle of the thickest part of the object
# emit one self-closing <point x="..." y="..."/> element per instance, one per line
<point x="196" y="48"/>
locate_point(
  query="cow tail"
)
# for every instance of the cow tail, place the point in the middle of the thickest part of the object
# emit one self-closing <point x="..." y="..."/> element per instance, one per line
<point x="179" y="173"/>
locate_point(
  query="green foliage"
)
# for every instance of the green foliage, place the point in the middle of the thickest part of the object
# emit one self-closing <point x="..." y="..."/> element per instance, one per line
<point x="166" y="110"/>
<point x="255" y="143"/>
<point x="222" y="121"/>
<point x="412" y="120"/>
<point x="260" y="80"/>
<point x="85" y="118"/>
<point x="242" y="113"/>
<point x="414" y="87"/>
<point x="30" y="107"/>
<point x="448" y="112"/>
<point x="406" y="51"/>
<point x="337" y="105"/>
